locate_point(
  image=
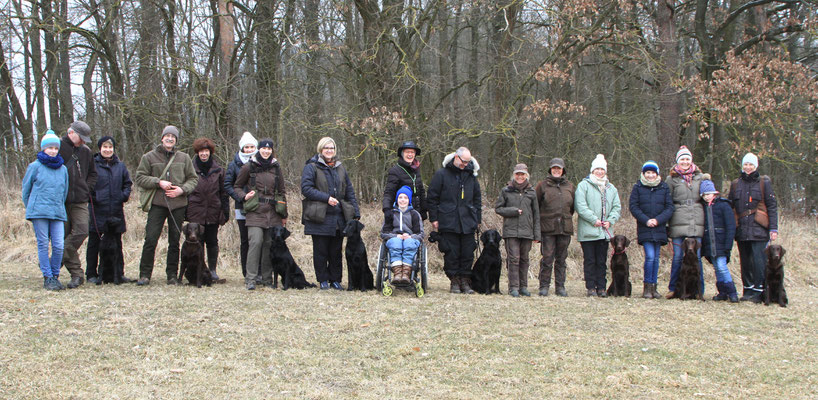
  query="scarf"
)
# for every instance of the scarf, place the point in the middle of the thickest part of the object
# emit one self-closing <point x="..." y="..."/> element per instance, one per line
<point x="521" y="187"/>
<point x="264" y="165"/>
<point x="245" y="157"/>
<point x="600" y="183"/>
<point x="50" y="162"/>
<point x="752" y="177"/>
<point x="687" y="175"/>
<point x="204" y="166"/>
<point x="330" y="163"/>
<point x="652" y="183"/>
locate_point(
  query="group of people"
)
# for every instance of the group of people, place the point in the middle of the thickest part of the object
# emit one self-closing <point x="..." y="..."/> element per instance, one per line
<point x="67" y="180"/>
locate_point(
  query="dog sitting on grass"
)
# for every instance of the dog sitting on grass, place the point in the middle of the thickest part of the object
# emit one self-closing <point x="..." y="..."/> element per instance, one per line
<point x="193" y="266"/>
<point x="485" y="274"/>
<point x="359" y="276"/>
<point x="620" y="268"/>
<point x="774" y="281"/>
<point x="688" y="286"/>
<point x="292" y="277"/>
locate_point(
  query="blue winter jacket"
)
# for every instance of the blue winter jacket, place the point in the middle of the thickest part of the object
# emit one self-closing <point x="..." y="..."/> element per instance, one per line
<point x="44" y="192"/>
<point x="719" y="230"/>
<point x="646" y="203"/>
<point x="230" y="177"/>
<point x="112" y="190"/>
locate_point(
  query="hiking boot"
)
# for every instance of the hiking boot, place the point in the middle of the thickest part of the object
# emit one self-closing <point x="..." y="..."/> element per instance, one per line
<point x="670" y="294"/>
<point x="561" y="292"/>
<point x="747" y="295"/>
<point x="455" y="285"/>
<point x="407" y="273"/>
<point x="250" y="285"/>
<point x="173" y="281"/>
<point x="525" y="292"/>
<point x="601" y="293"/>
<point x="756" y="298"/>
<point x="465" y="285"/>
<point x="143" y="282"/>
<point x="514" y="293"/>
<point x="397" y="274"/>
<point x="95" y="280"/>
<point x="590" y="293"/>
<point x="722" y="297"/>
<point x="76" y="281"/>
<point x="655" y="293"/>
<point x="213" y="274"/>
<point x="734" y="297"/>
<point x="336" y="286"/>
<point x="543" y="292"/>
<point x="125" y="279"/>
<point x="51" y="284"/>
<point x="646" y="292"/>
<point x="324" y="285"/>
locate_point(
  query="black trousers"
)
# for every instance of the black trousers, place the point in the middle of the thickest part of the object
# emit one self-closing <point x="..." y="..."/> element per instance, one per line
<point x="327" y="258"/>
<point x="153" y="230"/>
<point x="595" y="254"/>
<point x="211" y="241"/>
<point x="459" y="260"/>
<point x="753" y="265"/>
<point x="245" y="245"/>
<point x="92" y="254"/>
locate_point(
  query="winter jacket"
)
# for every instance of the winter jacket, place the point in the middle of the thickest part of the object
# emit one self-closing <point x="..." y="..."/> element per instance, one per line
<point x="555" y="198"/>
<point x="269" y="184"/>
<point x="454" y="197"/>
<point x="230" y="178"/>
<point x="112" y="190"/>
<point x="403" y="174"/>
<point x="44" y="192"/>
<point x="397" y="222"/>
<point x="208" y="204"/>
<point x="588" y="204"/>
<point x="181" y="173"/>
<point x="338" y="186"/>
<point x="82" y="173"/>
<point x="688" y="215"/>
<point x="745" y="194"/>
<point x="719" y="230"/>
<point x="647" y="203"/>
<point x="516" y="225"/>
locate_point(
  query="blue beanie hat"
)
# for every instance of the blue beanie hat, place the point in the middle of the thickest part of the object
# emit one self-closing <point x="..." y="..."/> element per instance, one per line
<point x="707" y="187"/>
<point x="49" y="140"/>
<point x="650" y="165"/>
<point x="404" y="190"/>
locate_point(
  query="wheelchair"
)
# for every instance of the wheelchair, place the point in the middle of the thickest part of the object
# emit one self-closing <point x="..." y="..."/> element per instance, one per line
<point x="417" y="281"/>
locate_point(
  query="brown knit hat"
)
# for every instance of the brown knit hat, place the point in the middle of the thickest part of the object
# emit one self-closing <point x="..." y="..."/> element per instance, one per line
<point x="204" y="143"/>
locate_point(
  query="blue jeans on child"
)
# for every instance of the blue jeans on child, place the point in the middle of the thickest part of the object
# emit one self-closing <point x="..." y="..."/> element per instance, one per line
<point x="677" y="263"/>
<point x="651" y="261"/>
<point x="402" y="250"/>
<point x="45" y="229"/>
<point x="724" y="281"/>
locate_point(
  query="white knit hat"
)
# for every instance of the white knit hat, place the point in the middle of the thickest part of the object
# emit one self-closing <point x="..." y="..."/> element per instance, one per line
<point x="247" y="138"/>
<point x="750" y="158"/>
<point x="599" y="162"/>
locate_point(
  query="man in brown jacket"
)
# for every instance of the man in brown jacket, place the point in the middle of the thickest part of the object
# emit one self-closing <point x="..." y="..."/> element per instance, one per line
<point x="555" y="195"/>
<point x="172" y="189"/>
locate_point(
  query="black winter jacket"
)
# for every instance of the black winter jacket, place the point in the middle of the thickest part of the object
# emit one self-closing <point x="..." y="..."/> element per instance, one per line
<point x="646" y="203"/>
<point x="719" y="230"/>
<point x="334" y="220"/>
<point x="403" y="174"/>
<point x="230" y="177"/>
<point x="112" y="189"/>
<point x="82" y="173"/>
<point x="454" y="197"/>
<point x="745" y="194"/>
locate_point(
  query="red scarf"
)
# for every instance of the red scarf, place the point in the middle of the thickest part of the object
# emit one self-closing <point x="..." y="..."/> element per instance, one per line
<point x="687" y="175"/>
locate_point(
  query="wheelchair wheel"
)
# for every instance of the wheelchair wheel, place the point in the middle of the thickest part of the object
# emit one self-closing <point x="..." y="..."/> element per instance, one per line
<point x="419" y="292"/>
<point x="387" y="290"/>
<point x="424" y="270"/>
<point x="381" y="274"/>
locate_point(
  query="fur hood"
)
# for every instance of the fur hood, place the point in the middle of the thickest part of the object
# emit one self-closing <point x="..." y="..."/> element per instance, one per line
<point x="473" y="165"/>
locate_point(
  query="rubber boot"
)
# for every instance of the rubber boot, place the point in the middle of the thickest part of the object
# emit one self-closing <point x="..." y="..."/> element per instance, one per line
<point x="646" y="292"/>
<point x="212" y="261"/>
<point x="455" y="286"/>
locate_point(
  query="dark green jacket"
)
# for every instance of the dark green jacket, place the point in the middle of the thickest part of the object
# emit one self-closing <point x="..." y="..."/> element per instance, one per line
<point x="181" y="173"/>
<point x="516" y="225"/>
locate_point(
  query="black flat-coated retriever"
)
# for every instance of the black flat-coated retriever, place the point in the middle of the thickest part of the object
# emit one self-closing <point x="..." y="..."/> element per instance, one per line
<point x="688" y="286"/>
<point x="193" y="266"/>
<point x="485" y="275"/>
<point x="292" y="277"/>
<point x="109" y="250"/>
<point x="774" y="280"/>
<point x="359" y="276"/>
<point x="620" y="268"/>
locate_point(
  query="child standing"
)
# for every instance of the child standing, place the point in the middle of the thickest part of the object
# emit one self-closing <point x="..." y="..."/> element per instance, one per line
<point x="403" y="231"/>
<point x="717" y="243"/>
<point x="45" y="188"/>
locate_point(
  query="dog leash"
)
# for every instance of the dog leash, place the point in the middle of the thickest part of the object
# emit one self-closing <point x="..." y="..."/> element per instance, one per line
<point x="170" y="212"/>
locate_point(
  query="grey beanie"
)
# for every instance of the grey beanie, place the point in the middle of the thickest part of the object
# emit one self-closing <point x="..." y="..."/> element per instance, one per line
<point x="170" y="130"/>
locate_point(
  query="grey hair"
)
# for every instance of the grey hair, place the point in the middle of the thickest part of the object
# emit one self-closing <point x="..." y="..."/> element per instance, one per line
<point x="460" y="150"/>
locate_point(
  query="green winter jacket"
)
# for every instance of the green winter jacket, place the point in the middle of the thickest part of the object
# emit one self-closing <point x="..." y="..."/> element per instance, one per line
<point x="181" y="173"/>
<point x="588" y="204"/>
<point x="516" y="225"/>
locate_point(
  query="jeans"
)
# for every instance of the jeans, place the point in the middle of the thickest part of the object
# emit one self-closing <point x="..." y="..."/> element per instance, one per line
<point x="402" y="250"/>
<point x="677" y="263"/>
<point x="753" y="263"/>
<point x="45" y="229"/>
<point x="651" y="261"/>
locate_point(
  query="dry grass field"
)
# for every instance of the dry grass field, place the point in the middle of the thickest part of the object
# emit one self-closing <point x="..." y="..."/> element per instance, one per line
<point x="224" y="342"/>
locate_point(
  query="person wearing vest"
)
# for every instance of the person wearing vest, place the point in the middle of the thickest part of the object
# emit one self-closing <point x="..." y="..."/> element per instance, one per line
<point x="261" y="177"/>
<point x="405" y="173"/>
<point x="208" y="204"/>
<point x="750" y="200"/>
<point x="82" y="176"/>
<point x="328" y="203"/>
<point x="169" y="202"/>
<point x="687" y="220"/>
<point x="247" y="149"/>
<point x="555" y="196"/>
<point x="598" y="209"/>
<point x="517" y="204"/>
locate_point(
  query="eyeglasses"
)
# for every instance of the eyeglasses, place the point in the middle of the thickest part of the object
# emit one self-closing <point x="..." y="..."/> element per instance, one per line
<point x="329" y="148"/>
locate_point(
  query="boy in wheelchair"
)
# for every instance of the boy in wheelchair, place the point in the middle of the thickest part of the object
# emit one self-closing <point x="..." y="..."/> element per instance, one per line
<point x="402" y="230"/>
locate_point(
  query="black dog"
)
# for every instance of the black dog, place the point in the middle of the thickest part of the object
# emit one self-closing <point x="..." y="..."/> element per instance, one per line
<point x="193" y="266"/>
<point x="688" y="285"/>
<point x="110" y="270"/>
<point x="442" y="244"/>
<point x="485" y="274"/>
<point x="620" y="268"/>
<point x="774" y="281"/>
<point x="292" y="277"/>
<point x="359" y="275"/>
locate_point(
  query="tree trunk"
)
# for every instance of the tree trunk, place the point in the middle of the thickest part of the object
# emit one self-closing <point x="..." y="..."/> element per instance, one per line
<point x="669" y="127"/>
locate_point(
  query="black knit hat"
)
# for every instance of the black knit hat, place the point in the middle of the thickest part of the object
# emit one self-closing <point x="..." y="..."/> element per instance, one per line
<point x="104" y="139"/>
